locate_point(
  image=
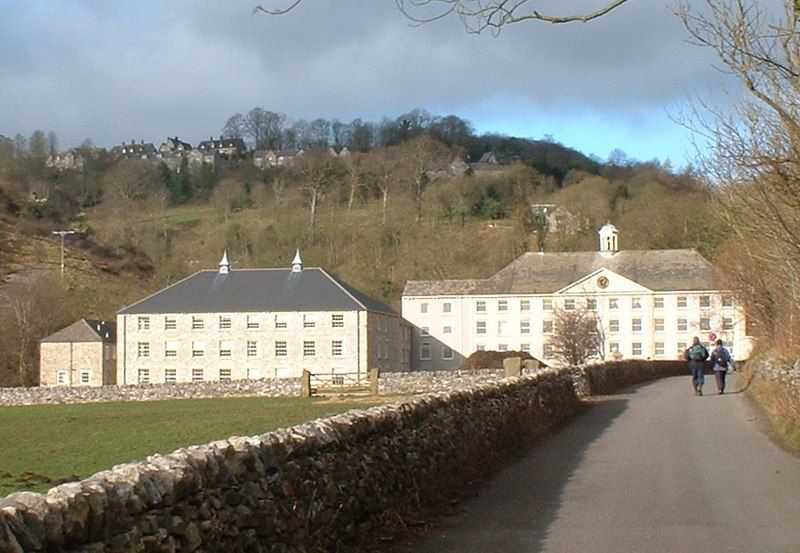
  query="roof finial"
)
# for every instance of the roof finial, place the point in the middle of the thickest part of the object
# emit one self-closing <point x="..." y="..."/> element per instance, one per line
<point x="297" y="263"/>
<point x="224" y="265"/>
<point x="609" y="240"/>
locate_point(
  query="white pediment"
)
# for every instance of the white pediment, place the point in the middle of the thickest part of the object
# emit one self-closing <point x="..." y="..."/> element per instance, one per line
<point x="603" y="281"/>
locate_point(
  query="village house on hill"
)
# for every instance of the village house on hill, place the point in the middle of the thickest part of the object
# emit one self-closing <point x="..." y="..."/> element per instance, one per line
<point x="229" y="149"/>
<point x="650" y="303"/>
<point x="82" y="354"/>
<point x="254" y="323"/>
<point x="133" y="150"/>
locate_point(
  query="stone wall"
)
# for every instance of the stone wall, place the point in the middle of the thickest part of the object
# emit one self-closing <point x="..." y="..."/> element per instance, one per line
<point x="781" y="371"/>
<point x="321" y="486"/>
<point x="609" y="377"/>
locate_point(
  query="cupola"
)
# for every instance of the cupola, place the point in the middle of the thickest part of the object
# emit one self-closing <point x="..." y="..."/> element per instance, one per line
<point x="609" y="239"/>
<point x="224" y="265"/>
<point x="297" y="263"/>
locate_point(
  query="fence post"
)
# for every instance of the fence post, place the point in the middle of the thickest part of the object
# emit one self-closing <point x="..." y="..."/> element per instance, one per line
<point x="305" y="384"/>
<point x="512" y="366"/>
<point x="374" y="374"/>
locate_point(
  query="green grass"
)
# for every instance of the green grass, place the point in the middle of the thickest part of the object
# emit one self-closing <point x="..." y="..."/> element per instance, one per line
<point x="47" y="444"/>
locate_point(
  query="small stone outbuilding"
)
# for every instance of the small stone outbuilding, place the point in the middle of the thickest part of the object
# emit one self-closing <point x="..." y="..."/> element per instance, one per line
<point x="82" y="354"/>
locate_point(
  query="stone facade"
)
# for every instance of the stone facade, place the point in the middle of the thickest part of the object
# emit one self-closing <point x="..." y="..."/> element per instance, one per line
<point x="76" y="364"/>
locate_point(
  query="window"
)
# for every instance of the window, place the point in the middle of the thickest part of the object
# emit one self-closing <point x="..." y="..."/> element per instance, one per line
<point x="447" y="353"/>
<point x="569" y="305"/>
<point x="198" y="349"/>
<point x="705" y="301"/>
<point x="425" y="351"/>
<point x="612" y="303"/>
<point x="658" y="325"/>
<point x="170" y="323"/>
<point x="480" y="347"/>
<point x="309" y="321"/>
<point x="447" y="307"/>
<point x="170" y="349"/>
<point x="591" y="304"/>
<point x="613" y="347"/>
<point x="613" y="325"/>
<point x="224" y="323"/>
<point x="252" y="348"/>
<point x="280" y="321"/>
<point x="658" y="302"/>
<point x="253" y="373"/>
<point x="502" y="305"/>
<point x="281" y="350"/>
<point x="525" y="347"/>
<point x="727" y="301"/>
<point x="423" y="307"/>
<point x="636" y="325"/>
<point x="682" y="325"/>
<point x="337" y="348"/>
<point x="143" y="323"/>
<point x="547" y="327"/>
<point x="337" y="380"/>
<point x="252" y="321"/>
<point x="309" y="348"/>
<point x="143" y="349"/>
<point x="424" y="331"/>
<point x="547" y="305"/>
<point x="547" y="351"/>
<point x="84" y="378"/>
<point x="224" y="375"/>
<point x="337" y="321"/>
<point x="197" y="374"/>
<point x="143" y="376"/>
<point x="636" y="348"/>
<point x="682" y="302"/>
<point x="727" y="323"/>
<point x="502" y="347"/>
<point x="705" y="323"/>
<point x="170" y="376"/>
<point x="480" y="327"/>
<point x="447" y="330"/>
<point x="502" y="328"/>
<point x="197" y="323"/>
<point x="480" y="306"/>
<point x="524" y="327"/>
<point x="659" y="348"/>
<point x="108" y="353"/>
<point x="636" y="303"/>
<point x="225" y="347"/>
<point x="525" y="305"/>
<point x="681" y="348"/>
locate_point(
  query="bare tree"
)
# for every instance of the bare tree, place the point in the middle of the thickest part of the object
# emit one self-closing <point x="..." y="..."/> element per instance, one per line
<point x="422" y="158"/>
<point x="234" y="127"/>
<point x="479" y="15"/>
<point x="577" y="336"/>
<point x="319" y="170"/>
<point x="353" y="164"/>
<point x="37" y="145"/>
<point x="754" y="154"/>
<point x="264" y="127"/>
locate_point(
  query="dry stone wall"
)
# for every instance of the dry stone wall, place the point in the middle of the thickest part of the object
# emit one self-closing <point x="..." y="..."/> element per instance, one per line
<point x="781" y="371"/>
<point x="325" y="485"/>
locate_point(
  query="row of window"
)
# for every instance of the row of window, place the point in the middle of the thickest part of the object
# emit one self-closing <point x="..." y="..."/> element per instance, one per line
<point x="548" y="326"/>
<point x="569" y="304"/>
<point x="281" y="349"/>
<point x="84" y="378"/>
<point x="224" y="322"/>
<point x="200" y="374"/>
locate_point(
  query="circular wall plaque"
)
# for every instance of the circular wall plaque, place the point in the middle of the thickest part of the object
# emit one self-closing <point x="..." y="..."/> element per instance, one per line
<point x="602" y="282"/>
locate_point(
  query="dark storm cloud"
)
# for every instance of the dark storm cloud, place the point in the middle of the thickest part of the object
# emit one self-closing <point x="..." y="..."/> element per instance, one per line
<point x="126" y="70"/>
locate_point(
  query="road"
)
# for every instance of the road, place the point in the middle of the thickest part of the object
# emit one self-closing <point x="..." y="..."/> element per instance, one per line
<point x="653" y="469"/>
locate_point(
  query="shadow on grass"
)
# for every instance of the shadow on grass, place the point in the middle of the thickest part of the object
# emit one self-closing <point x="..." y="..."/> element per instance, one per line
<point x="515" y="508"/>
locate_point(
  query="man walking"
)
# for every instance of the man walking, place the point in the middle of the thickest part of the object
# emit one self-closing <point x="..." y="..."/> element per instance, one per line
<point x="721" y="361"/>
<point x="696" y="355"/>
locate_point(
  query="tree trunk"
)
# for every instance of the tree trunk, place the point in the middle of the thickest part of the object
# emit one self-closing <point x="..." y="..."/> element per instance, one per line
<point x="313" y="221"/>
<point x="383" y="208"/>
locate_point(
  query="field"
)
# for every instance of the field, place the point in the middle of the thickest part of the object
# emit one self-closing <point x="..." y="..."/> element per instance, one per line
<point x="48" y="444"/>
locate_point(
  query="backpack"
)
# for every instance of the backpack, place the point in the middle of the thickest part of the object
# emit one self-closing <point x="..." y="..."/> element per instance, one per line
<point x="723" y="358"/>
<point x="698" y="353"/>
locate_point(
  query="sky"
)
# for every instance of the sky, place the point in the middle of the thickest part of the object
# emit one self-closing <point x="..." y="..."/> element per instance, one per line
<point x="116" y="71"/>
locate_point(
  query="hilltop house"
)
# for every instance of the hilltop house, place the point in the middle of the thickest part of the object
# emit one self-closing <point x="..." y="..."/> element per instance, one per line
<point x="171" y="145"/>
<point x="649" y="303"/>
<point x="82" y="354"/>
<point x="253" y="323"/>
<point x="135" y="151"/>
<point x="229" y="149"/>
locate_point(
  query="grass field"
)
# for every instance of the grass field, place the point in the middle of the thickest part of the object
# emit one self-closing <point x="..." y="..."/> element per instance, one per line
<point x="44" y="445"/>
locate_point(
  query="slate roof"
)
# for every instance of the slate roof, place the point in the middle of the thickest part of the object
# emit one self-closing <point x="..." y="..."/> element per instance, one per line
<point x="86" y="330"/>
<point x="534" y="273"/>
<point x="258" y="291"/>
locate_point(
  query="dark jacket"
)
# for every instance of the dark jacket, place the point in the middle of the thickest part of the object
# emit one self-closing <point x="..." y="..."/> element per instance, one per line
<point x="721" y="359"/>
<point x="696" y="364"/>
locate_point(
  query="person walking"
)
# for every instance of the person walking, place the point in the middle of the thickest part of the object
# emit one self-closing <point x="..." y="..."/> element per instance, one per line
<point x="696" y="355"/>
<point x="721" y="361"/>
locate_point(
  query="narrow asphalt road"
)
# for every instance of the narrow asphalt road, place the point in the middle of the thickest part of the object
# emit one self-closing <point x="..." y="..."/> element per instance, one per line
<point x="653" y="469"/>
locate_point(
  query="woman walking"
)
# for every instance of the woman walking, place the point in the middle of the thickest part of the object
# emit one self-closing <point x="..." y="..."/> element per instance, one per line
<point x="696" y="355"/>
<point x="721" y="361"/>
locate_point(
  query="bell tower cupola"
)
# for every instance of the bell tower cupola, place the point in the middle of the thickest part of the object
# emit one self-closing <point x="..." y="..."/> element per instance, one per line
<point x="609" y="240"/>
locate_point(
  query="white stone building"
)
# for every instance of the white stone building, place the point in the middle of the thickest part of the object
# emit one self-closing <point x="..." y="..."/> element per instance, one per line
<point x="255" y="323"/>
<point x="650" y="303"/>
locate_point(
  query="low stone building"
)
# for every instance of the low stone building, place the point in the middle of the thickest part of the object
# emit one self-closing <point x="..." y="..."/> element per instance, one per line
<point x="255" y="323"/>
<point x="82" y="354"/>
